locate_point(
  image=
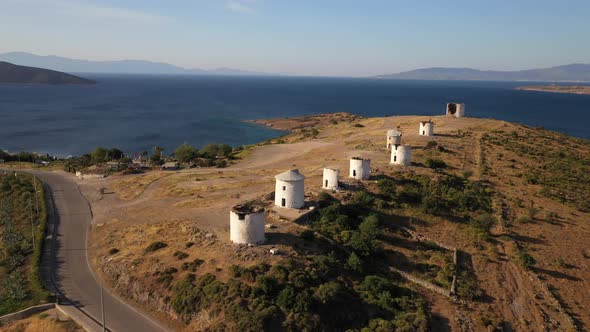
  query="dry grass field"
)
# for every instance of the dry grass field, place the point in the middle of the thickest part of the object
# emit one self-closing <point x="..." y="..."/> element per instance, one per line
<point x="43" y="322"/>
<point x="541" y="215"/>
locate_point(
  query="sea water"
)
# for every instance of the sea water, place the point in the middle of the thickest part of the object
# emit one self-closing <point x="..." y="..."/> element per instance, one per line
<point x="136" y="113"/>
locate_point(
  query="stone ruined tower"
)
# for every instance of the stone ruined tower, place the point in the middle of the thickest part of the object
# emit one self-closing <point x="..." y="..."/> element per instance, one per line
<point x="426" y="128"/>
<point x="330" y="179"/>
<point x="246" y="224"/>
<point x="401" y="155"/>
<point x="360" y="168"/>
<point x="456" y="109"/>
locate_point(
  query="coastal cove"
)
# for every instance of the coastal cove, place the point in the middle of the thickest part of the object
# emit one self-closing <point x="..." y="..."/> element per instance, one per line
<point x="135" y="113"/>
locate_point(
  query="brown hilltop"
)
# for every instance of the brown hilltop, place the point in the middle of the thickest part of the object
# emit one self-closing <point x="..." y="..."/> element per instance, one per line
<point x="539" y="178"/>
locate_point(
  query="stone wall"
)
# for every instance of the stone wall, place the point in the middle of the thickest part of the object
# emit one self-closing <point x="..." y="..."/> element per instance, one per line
<point x="420" y="238"/>
<point x="25" y="313"/>
<point x="424" y="283"/>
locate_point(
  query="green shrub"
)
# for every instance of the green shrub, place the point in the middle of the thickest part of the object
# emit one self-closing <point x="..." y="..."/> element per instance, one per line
<point x="484" y="222"/>
<point x="524" y="219"/>
<point x="551" y="217"/>
<point x="166" y="277"/>
<point x="236" y="271"/>
<point x="525" y="260"/>
<point x="280" y="273"/>
<point x="286" y="298"/>
<point x="329" y="292"/>
<point x="325" y="199"/>
<point x="307" y="234"/>
<point x="387" y="188"/>
<point x="435" y="163"/>
<point x="267" y="284"/>
<point x="155" y="246"/>
<point x="192" y="266"/>
<point x="467" y="286"/>
<point x="354" y="263"/>
<point x="180" y="255"/>
<point x="467" y="174"/>
<point x="362" y="199"/>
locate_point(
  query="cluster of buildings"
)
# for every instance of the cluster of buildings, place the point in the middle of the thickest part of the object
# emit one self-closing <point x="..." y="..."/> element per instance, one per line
<point x="247" y="221"/>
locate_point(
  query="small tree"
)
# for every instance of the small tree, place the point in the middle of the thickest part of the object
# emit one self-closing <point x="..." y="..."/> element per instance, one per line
<point x="329" y="292"/>
<point x="210" y="151"/>
<point x="267" y="284"/>
<point x="185" y="153"/>
<point x="99" y="155"/>
<point x="158" y="151"/>
<point x="387" y="187"/>
<point x="355" y="263"/>
<point x="114" y="154"/>
<point x="435" y="163"/>
<point x="156" y="160"/>
<point x="224" y="150"/>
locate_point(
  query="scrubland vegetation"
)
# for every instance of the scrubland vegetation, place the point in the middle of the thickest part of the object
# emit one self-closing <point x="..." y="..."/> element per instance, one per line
<point x="378" y="254"/>
<point x="348" y="285"/>
<point x="561" y="171"/>
<point x="20" y="255"/>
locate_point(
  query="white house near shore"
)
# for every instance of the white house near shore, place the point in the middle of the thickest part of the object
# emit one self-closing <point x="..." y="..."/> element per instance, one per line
<point x="426" y="128"/>
<point x="393" y="137"/>
<point x="170" y="165"/>
<point x="360" y="169"/>
<point x="330" y="178"/>
<point x="290" y="189"/>
<point x="401" y="155"/>
<point x="456" y="109"/>
<point x="246" y="224"/>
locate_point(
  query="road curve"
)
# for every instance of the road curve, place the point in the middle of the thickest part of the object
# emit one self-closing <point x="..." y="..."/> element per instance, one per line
<point x="68" y="267"/>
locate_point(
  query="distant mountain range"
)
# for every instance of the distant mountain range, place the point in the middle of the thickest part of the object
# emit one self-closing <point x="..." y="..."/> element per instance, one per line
<point x="113" y="67"/>
<point x="14" y="74"/>
<point x="566" y="73"/>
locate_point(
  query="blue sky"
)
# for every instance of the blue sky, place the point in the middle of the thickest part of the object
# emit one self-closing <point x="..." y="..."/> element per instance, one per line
<point x="305" y="37"/>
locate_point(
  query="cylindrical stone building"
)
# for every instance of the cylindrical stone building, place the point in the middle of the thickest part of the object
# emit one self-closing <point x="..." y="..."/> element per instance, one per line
<point x="401" y="155"/>
<point x="360" y="168"/>
<point x="426" y="128"/>
<point x="330" y="179"/>
<point x="456" y="109"/>
<point x="393" y="137"/>
<point x="290" y="189"/>
<point x="246" y="223"/>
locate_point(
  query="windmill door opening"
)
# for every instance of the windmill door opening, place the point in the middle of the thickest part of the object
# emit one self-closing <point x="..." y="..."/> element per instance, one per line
<point x="452" y="108"/>
<point x="423" y="132"/>
<point x="326" y="185"/>
<point x="354" y="172"/>
<point x="283" y="202"/>
<point x="394" y="158"/>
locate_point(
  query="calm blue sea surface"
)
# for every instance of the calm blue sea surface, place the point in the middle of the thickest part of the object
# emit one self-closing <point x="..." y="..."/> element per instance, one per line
<point x="135" y="113"/>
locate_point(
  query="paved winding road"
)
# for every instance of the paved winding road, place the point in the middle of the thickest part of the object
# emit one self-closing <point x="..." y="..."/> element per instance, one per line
<point x="66" y="265"/>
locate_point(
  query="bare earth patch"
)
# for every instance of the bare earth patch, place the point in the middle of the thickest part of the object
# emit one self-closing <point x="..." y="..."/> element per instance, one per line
<point x="49" y="321"/>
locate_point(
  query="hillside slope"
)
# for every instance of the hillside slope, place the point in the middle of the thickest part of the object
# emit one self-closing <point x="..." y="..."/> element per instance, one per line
<point x="512" y="199"/>
<point x="114" y="67"/>
<point x="14" y="74"/>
